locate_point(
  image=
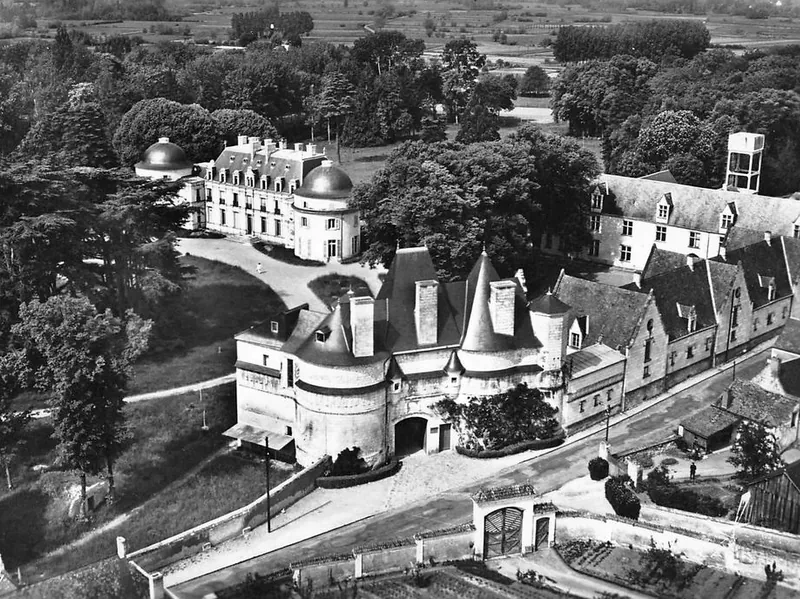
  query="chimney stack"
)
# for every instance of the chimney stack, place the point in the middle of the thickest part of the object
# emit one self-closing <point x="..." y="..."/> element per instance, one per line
<point x="298" y="147"/>
<point x="501" y="306"/>
<point x="426" y="311"/>
<point x="774" y="366"/>
<point x="282" y="144"/>
<point x="637" y="279"/>
<point x="690" y="262"/>
<point x="312" y="149"/>
<point x="269" y="146"/>
<point x="520" y="276"/>
<point x="163" y="140"/>
<point x="362" y="324"/>
<point x="768" y="237"/>
<point x="241" y="140"/>
<point x="723" y="252"/>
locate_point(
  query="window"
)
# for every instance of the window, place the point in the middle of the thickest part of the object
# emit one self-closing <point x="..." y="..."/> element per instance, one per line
<point x="609" y="393"/>
<point x="453" y="380"/>
<point x="276" y="207"/>
<point x="771" y="293"/>
<point x="594" y="247"/>
<point x="594" y="223"/>
<point x="288" y="431"/>
<point x="221" y="200"/>
<point x="583" y="406"/>
<point x="627" y="227"/>
<point x="735" y="316"/>
<point x="726" y="222"/>
<point x="796" y="232"/>
<point x="661" y="233"/>
<point x="597" y="201"/>
<point x="755" y="324"/>
<point x="672" y="356"/>
<point x="694" y="239"/>
<point x="320" y="336"/>
<point x="208" y="195"/>
<point x="249" y="181"/>
<point x="273" y="326"/>
<point x="248" y="203"/>
<point x="733" y="335"/>
<point x="222" y="217"/>
<point x="708" y="343"/>
<point x="266" y="360"/>
<point x="663" y="212"/>
<point x="395" y="385"/>
<point x="263" y="183"/>
<point x="624" y="253"/>
<point x="575" y="340"/>
<point x="794" y="419"/>
<point x="770" y="318"/>
<point x="236" y="178"/>
<point x="332" y="223"/>
<point x="646" y="373"/>
<point x="690" y="352"/>
<point x="222" y="176"/>
<point x="355" y="244"/>
<point x="277" y="228"/>
<point x="263" y="205"/>
<point x="648" y="346"/>
<point x="304" y="222"/>
<point x="263" y="224"/>
<point x="596" y="400"/>
<point x="783" y="313"/>
<point x="235" y="199"/>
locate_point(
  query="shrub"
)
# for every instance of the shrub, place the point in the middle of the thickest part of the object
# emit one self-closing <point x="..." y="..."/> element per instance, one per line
<point x="598" y="468"/>
<point x="349" y="462"/>
<point x="341" y="482"/>
<point x="664" y="493"/>
<point x="669" y="461"/>
<point x="622" y="498"/>
<point x="512" y="449"/>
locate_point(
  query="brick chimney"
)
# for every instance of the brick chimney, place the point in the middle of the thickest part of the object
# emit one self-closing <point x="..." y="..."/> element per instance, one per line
<point x="501" y="306"/>
<point x="426" y="311"/>
<point x="774" y="363"/>
<point x="362" y="324"/>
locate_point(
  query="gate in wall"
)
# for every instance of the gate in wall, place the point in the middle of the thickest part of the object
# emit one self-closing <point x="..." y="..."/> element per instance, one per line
<point x="502" y="532"/>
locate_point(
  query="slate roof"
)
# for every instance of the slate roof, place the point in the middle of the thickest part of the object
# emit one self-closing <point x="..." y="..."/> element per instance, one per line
<point x="748" y="400"/>
<point x="789" y="339"/>
<point x="789" y="376"/>
<point x="664" y="176"/>
<point x="682" y="287"/>
<point x="723" y="276"/>
<point x="709" y="421"/>
<point x="761" y="260"/>
<point x="660" y="261"/>
<point x="280" y="163"/>
<point x="547" y="303"/>
<point x="698" y="208"/>
<point x="791" y="250"/>
<point x="614" y="313"/>
<point x="739" y="237"/>
<point x="262" y="332"/>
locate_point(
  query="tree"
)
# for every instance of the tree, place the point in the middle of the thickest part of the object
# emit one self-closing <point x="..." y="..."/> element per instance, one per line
<point x="534" y="82"/>
<point x="387" y="50"/>
<point x="461" y="65"/>
<point x="433" y="130"/>
<point x="82" y="357"/>
<point x="480" y="120"/>
<point x="755" y="451"/>
<point x="12" y="421"/>
<point x="496" y="421"/>
<point x="333" y="103"/>
<point x="233" y="123"/>
<point x="189" y="126"/>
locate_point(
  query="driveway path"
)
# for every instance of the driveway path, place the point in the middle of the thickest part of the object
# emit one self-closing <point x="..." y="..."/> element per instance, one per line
<point x="436" y="493"/>
<point x="289" y="281"/>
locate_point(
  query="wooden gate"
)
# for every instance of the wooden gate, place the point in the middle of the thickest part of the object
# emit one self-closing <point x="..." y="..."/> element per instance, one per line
<point x="542" y="533"/>
<point x="502" y="532"/>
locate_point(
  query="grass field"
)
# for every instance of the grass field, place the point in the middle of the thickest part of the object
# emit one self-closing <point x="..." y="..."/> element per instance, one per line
<point x="220" y="300"/>
<point x="165" y="442"/>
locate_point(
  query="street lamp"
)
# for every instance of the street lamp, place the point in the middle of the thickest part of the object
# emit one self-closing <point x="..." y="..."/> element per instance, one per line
<point x="608" y="421"/>
<point x="266" y="455"/>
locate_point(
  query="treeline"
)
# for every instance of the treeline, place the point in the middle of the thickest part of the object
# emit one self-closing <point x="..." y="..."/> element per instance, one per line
<point x="134" y="10"/>
<point x="678" y="115"/>
<point x="751" y="10"/>
<point x="653" y="40"/>
<point x="249" y="26"/>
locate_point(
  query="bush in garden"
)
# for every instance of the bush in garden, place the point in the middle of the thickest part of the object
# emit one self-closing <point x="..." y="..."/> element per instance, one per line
<point x="665" y="493"/>
<point x="598" y="468"/>
<point x="622" y="498"/>
<point x="349" y="461"/>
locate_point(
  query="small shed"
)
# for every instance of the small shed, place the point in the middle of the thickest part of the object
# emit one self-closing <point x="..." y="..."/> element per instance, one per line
<point x="709" y="429"/>
<point x="775" y="500"/>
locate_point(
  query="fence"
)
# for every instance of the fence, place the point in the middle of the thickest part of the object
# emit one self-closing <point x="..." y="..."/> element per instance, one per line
<point x="432" y="547"/>
<point x="230" y="525"/>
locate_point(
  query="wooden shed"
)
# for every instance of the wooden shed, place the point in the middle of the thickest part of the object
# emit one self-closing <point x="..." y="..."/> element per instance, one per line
<point x="775" y="500"/>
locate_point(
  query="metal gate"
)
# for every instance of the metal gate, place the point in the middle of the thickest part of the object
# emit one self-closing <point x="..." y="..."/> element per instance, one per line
<point x="502" y="532"/>
<point x="542" y="533"/>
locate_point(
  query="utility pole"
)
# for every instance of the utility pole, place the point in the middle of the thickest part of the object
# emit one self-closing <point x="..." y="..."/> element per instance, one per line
<point x="266" y="455"/>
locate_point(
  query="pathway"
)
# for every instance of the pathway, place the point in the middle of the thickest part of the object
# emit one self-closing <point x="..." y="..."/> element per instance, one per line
<point x="289" y="281"/>
<point x="434" y="491"/>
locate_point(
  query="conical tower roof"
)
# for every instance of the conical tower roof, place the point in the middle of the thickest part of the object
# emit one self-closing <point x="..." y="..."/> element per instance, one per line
<point x="454" y="366"/>
<point x="480" y="335"/>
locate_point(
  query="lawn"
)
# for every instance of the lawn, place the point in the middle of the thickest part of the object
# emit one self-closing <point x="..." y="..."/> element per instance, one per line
<point x="219" y="301"/>
<point x="329" y="288"/>
<point x="165" y="442"/>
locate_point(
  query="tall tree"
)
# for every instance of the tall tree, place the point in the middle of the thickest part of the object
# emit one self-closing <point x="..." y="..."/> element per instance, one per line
<point x="461" y="65"/>
<point x="233" y="123"/>
<point x="480" y="120"/>
<point x="82" y="358"/>
<point x="755" y="451"/>
<point x="334" y="102"/>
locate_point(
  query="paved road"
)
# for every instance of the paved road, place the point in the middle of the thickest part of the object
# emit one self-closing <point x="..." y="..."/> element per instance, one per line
<point x="455" y="506"/>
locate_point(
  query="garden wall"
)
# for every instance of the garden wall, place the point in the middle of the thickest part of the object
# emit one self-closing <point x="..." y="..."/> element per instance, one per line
<point x="708" y="544"/>
<point x="229" y="525"/>
<point x="448" y="547"/>
<point x="380" y="561"/>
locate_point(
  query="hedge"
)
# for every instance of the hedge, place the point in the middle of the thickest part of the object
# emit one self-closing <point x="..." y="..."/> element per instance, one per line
<point x="598" y="468"/>
<point x="512" y="449"/>
<point x="341" y="482"/>
<point x="687" y="500"/>
<point x="622" y="498"/>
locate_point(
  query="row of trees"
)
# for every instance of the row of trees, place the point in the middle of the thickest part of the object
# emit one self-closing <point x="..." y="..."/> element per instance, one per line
<point x="653" y="40"/>
<point x="272" y="24"/>
<point x="678" y="115"/>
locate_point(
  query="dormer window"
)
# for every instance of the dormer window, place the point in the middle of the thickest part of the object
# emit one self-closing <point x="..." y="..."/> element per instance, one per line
<point x="726" y="220"/>
<point x="236" y="177"/>
<point x="690" y="314"/>
<point x="575" y="340"/>
<point x="664" y="207"/>
<point x="321" y="335"/>
<point x="223" y="175"/>
<point x="209" y="174"/>
<point x="663" y="212"/>
<point x="597" y="201"/>
<point x="273" y="326"/>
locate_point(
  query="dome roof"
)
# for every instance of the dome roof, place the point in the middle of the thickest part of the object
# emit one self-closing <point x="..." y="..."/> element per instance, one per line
<point x="164" y="156"/>
<point x="326" y="182"/>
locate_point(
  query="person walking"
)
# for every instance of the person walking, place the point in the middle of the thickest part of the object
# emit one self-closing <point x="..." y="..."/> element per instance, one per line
<point x="692" y="471"/>
<point x="259" y="269"/>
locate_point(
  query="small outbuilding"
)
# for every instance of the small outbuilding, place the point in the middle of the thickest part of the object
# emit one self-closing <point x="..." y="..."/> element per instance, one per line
<point x="775" y="500"/>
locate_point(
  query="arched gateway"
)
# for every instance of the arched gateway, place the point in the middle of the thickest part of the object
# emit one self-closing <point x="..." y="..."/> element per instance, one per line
<point x="409" y="435"/>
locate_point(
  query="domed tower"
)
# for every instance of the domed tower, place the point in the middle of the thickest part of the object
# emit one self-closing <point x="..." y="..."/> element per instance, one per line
<point x="164" y="159"/>
<point x="326" y="228"/>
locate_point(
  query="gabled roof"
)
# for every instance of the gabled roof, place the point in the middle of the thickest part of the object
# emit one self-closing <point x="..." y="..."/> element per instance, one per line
<point x="709" y="421"/>
<point x="680" y="294"/>
<point x="660" y="261"/>
<point x="792" y="472"/>
<point x="791" y="251"/>
<point x="614" y="313"/>
<point x="592" y="358"/>
<point x="723" y="277"/>
<point x="739" y="237"/>
<point x="748" y="400"/>
<point x="761" y="260"/>
<point x="698" y="208"/>
<point x="480" y="334"/>
<point x="263" y="332"/>
<point x="664" y="176"/>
